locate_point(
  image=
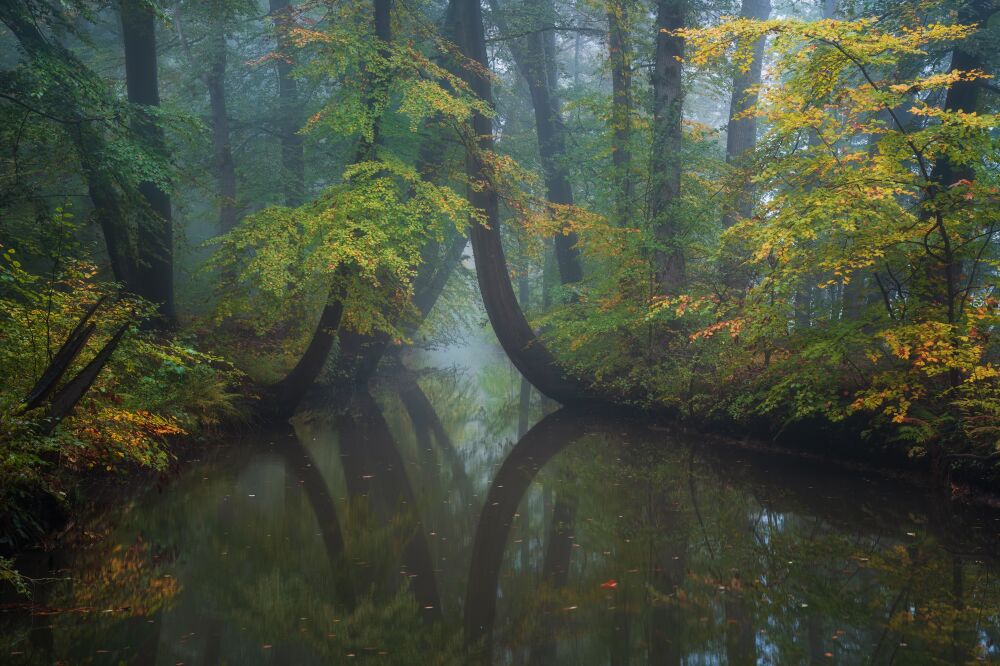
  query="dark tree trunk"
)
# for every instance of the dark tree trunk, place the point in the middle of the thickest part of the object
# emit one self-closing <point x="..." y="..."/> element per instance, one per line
<point x="668" y="576"/>
<point x="620" y="55"/>
<point x="741" y="640"/>
<point x="535" y="59"/>
<point x="741" y="138"/>
<point x="108" y="209"/>
<point x="155" y="236"/>
<point x="290" y="115"/>
<point x="282" y="398"/>
<point x="225" y="169"/>
<point x="512" y="329"/>
<point x="665" y="161"/>
<point x="424" y="417"/>
<point x="324" y="506"/>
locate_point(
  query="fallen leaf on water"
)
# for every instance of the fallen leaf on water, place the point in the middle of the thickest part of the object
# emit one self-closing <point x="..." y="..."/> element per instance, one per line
<point x="609" y="584"/>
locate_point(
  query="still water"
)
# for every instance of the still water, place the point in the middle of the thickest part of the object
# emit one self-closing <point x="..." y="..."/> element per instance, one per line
<point x="452" y="516"/>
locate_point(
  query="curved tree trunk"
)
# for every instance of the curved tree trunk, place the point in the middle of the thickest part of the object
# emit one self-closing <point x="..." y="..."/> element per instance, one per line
<point x="155" y="237"/>
<point x="286" y="394"/>
<point x="539" y="445"/>
<point x="375" y="470"/>
<point x="324" y="507"/>
<point x="516" y="337"/>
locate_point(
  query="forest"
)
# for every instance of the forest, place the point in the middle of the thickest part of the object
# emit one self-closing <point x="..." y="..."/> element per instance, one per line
<point x="771" y="222"/>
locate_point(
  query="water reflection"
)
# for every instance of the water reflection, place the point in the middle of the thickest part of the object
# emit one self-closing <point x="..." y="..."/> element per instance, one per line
<point x="428" y="524"/>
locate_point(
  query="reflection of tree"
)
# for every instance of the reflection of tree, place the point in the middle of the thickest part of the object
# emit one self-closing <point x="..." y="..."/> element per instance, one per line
<point x="426" y="423"/>
<point x="119" y="594"/>
<point x="534" y="450"/>
<point x="625" y="547"/>
<point x="374" y="469"/>
<point x="682" y="558"/>
<point x="555" y="574"/>
<point x="304" y="468"/>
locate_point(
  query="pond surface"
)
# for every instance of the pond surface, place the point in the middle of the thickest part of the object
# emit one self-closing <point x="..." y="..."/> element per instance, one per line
<point x="453" y="506"/>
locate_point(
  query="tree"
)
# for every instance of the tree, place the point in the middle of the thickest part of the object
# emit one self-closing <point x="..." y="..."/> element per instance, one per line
<point x="155" y="279"/>
<point x="665" y="161"/>
<point x="741" y="136"/>
<point x="71" y="95"/>
<point x="213" y="74"/>
<point x="290" y="116"/>
<point x="620" y="57"/>
<point x="294" y="385"/>
<point x="537" y="65"/>
<point x="516" y="337"/>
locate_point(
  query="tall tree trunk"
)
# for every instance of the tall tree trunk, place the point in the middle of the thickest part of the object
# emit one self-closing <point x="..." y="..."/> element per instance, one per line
<point x="535" y="59"/>
<point x="215" y="82"/>
<point x="665" y="161"/>
<point x="225" y="169"/>
<point x="516" y="337"/>
<point x="109" y="209"/>
<point x="741" y="138"/>
<point x="620" y="56"/>
<point x="155" y="236"/>
<point x="290" y="116"/>
<point x="806" y="299"/>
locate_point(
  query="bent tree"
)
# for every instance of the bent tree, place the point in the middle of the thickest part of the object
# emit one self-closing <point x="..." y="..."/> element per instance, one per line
<point x="512" y="329"/>
<point x="359" y="243"/>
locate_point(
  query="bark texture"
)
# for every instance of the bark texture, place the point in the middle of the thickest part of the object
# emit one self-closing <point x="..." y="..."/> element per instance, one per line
<point x="222" y="151"/>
